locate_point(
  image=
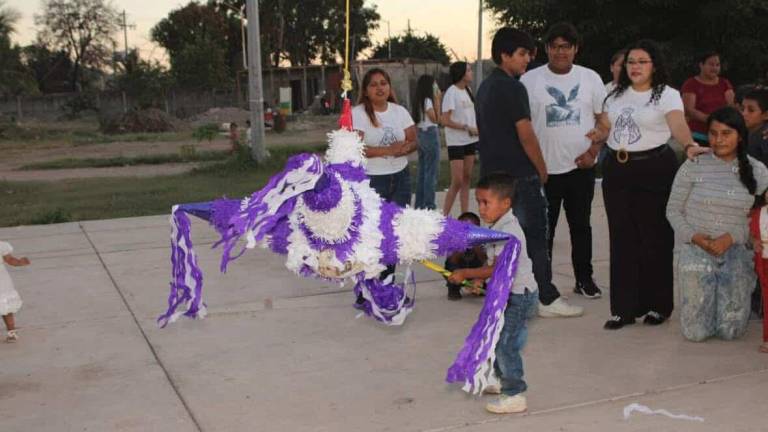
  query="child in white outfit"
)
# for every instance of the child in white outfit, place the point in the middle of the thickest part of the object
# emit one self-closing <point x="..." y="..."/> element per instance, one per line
<point x="10" y="302"/>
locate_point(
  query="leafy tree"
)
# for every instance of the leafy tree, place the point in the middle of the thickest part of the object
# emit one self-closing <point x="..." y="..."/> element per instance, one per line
<point x="82" y="28"/>
<point x="738" y="29"/>
<point x="200" y="65"/>
<point x="51" y="70"/>
<point x="146" y="82"/>
<point x="300" y="31"/>
<point x="8" y="19"/>
<point x="411" y="45"/>
<point x="201" y="25"/>
<point x="15" y="78"/>
<point x="295" y="31"/>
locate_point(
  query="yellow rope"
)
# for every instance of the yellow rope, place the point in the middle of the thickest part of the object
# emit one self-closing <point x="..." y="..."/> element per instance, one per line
<point x="346" y="83"/>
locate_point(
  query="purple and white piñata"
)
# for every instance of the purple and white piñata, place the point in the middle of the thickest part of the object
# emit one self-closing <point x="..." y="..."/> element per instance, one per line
<point x="328" y="221"/>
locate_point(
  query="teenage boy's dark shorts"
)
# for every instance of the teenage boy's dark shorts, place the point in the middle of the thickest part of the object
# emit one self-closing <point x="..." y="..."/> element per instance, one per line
<point x="459" y="152"/>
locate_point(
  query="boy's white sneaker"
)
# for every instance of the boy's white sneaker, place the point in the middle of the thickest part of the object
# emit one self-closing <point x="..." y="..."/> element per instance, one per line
<point x="508" y="404"/>
<point x="560" y="308"/>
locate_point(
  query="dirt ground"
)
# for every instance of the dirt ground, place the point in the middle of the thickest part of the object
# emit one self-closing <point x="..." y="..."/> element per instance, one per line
<point x="15" y="153"/>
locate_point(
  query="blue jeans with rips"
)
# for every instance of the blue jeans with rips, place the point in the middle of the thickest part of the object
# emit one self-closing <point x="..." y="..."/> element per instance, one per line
<point x="514" y="334"/>
<point x="429" y="168"/>
<point x="531" y="209"/>
<point x="715" y="291"/>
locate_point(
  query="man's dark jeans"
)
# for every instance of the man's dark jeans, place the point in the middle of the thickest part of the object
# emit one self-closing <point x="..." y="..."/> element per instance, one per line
<point x="530" y="208"/>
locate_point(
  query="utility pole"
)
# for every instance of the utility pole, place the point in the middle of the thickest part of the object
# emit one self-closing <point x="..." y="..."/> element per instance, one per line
<point x="389" y="41"/>
<point x="255" y="90"/>
<point x="479" y="65"/>
<point x="124" y="25"/>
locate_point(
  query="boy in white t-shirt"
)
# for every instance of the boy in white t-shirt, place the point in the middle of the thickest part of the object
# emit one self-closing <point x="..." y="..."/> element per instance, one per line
<point x="566" y="101"/>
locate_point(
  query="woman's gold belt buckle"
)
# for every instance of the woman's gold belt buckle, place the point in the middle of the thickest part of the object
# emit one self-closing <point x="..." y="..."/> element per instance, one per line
<point x="622" y="155"/>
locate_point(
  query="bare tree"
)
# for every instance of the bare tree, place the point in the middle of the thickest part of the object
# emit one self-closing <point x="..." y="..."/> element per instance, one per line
<point x="82" y="28"/>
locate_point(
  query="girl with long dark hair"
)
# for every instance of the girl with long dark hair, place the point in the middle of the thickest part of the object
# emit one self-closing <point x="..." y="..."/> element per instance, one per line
<point x="425" y="111"/>
<point x="710" y="201"/>
<point x="643" y="113"/>
<point x="461" y="134"/>
<point x="389" y="135"/>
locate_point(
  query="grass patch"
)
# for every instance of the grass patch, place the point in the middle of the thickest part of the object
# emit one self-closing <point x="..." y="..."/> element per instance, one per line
<point x="78" y="133"/>
<point x="26" y="203"/>
<point x="70" y="163"/>
<point x="80" y="138"/>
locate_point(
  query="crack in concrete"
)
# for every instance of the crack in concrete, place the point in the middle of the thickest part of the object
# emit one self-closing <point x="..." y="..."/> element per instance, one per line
<point x="143" y="333"/>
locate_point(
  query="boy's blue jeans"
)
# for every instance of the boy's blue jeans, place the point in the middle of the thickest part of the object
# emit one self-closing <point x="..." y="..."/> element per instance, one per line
<point x="514" y="334"/>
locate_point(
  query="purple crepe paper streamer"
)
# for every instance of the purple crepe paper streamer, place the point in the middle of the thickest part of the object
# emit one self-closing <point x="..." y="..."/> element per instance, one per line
<point x="386" y="297"/>
<point x="255" y="217"/>
<point x="183" y="263"/>
<point x="326" y="194"/>
<point x="222" y="211"/>
<point x="479" y="344"/>
<point x="278" y="237"/>
<point x="355" y="173"/>
<point x="389" y="241"/>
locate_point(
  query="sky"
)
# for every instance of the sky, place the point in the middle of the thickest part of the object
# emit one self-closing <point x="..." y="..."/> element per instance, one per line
<point x="455" y="26"/>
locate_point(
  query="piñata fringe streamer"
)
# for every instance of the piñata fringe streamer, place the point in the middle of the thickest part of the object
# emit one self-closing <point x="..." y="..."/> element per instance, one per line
<point x="187" y="282"/>
<point x="474" y="364"/>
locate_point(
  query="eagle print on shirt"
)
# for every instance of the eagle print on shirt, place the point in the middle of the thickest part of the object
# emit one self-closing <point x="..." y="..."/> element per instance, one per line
<point x="563" y="112"/>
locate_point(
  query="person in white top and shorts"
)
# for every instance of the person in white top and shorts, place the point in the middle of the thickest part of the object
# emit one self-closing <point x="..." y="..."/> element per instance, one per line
<point x="461" y="134"/>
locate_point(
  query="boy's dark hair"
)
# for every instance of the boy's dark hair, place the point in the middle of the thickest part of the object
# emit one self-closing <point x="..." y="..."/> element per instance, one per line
<point x="563" y="30"/>
<point x="500" y="183"/>
<point x="507" y="40"/>
<point x="469" y="216"/>
<point x="759" y="95"/>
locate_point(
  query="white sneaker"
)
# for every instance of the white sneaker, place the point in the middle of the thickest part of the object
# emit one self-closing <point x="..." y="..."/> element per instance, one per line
<point x="508" y="405"/>
<point x="559" y="308"/>
<point x="492" y="389"/>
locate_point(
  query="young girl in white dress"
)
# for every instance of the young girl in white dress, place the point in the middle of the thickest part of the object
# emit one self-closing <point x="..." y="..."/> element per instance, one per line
<point x="10" y="302"/>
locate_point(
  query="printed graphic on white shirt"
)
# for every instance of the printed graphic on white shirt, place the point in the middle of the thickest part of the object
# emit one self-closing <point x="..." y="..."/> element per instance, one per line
<point x="388" y="138"/>
<point x="625" y="131"/>
<point x="563" y="112"/>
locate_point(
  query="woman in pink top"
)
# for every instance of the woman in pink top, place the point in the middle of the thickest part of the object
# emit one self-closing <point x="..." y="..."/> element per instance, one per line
<point x="705" y="93"/>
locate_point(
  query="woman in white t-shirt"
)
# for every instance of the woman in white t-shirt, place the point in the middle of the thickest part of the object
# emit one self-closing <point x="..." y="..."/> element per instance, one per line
<point x="461" y="135"/>
<point x="389" y="135"/>
<point x="426" y="109"/>
<point x="643" y="113"/>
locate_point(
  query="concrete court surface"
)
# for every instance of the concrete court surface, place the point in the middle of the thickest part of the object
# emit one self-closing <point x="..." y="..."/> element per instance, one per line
<point x="280" y="353"/>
